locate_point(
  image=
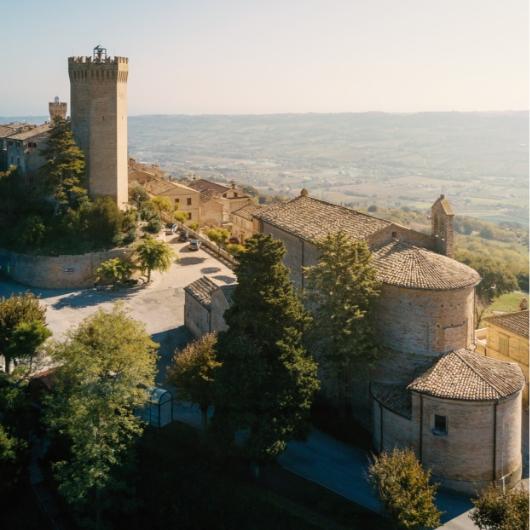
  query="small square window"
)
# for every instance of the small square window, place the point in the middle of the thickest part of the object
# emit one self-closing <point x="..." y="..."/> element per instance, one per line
<point x="440" y="424"/>
<point x="177" y="200"/>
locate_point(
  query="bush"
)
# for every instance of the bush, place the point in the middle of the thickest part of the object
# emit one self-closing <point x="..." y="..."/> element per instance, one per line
<point x="403" y="487"/>
<point x="114" y="271"/>
<point x="104" y="222"/>
<point x="154" y="225"/>
<point x="235" y="248"/>
<point x="495" y="510"/>
<point x="138" y="196"/>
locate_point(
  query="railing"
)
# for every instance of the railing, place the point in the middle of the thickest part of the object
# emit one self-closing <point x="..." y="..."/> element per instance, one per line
<point x="210" y="246"/>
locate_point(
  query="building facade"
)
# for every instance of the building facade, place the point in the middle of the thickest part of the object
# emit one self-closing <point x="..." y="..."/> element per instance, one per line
<point x="507" y="340"/>
<point x="98" y="99"/>
<point x="243" y="221"/>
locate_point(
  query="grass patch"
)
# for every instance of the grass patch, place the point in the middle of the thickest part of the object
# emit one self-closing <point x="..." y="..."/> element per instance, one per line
<point x="506" y="303"/>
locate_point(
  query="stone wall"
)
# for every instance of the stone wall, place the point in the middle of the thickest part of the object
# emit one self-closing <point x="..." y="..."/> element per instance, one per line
<point x="56" y="272"/>
<point x="424" y="321"/>
<point x="390" y="429"/>
<point x="196" y="316"/>
<point x="483" y="441"/>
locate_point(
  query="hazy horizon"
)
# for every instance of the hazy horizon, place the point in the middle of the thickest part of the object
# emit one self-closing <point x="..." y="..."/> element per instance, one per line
<point x="236" y="57"/>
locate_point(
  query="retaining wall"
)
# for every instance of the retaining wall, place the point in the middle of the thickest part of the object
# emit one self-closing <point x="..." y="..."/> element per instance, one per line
<point x="56" y="272"/>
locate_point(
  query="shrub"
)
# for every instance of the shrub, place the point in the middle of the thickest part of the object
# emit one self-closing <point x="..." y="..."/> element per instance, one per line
<point x="495" y="510"/>
<point x="104" y="222"/>
<point x="403" y="487"/>
<point x="154" y="225"/>
<point x="138" y="196"/>
<point x="235" y="248"/>
<point x="114" y="271"/>
<point x="218" y="236"/>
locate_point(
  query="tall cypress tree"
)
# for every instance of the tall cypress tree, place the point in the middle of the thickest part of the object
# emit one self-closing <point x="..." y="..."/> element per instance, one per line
<point x="267" y="381"/>
<point x="341" y="290"/>
<point x="64" y="170"/>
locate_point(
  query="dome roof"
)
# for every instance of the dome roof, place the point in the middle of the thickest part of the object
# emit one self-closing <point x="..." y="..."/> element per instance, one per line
<point x="405" y="265"/>
<point x="469" y="376"/>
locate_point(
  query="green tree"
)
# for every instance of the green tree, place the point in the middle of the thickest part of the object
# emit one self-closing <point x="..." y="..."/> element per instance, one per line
<point x="163" y="204"/>
<point x="193" y="371"/>
<point x="153" y="255"/>
<point x="267" y="381"/>
<point x="495" y="510"/>
<point x="103" y="222"/>
<point x="64" y="167"/>
<point x="218" y="235"/>
<point x="12" y="460"/>
<point x="138" y="195"/>
<point x="114" y="271"/>
<point x="179" y="216"/>
<point x="105" y="367"/>
<point x="341" y="290"/>
<point x="22" y="327"/>
<point x="403" y="487"/>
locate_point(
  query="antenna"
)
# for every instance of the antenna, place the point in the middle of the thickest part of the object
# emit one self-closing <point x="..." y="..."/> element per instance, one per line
<point x="99" y="53"/>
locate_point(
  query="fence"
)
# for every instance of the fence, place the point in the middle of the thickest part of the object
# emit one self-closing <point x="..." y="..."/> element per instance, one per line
<point x="210" y="246"/>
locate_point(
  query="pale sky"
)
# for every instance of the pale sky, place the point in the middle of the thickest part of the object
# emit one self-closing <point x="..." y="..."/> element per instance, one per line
<point x="271" y="56"/>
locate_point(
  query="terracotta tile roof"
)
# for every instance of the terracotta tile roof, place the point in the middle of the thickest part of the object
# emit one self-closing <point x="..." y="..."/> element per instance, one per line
<point x="394" y="397"/>
<point x="202" y="290"/>
<point x="469" y="376"/>
<point x="204" y="185"/>
<point x="406" y="265"/>
<point x="159" y="186"/>
<point x="313" y="219"/>
<point x="248" y="211"/>
<point x="30" y="133"/>
<point x="514" y="322"/>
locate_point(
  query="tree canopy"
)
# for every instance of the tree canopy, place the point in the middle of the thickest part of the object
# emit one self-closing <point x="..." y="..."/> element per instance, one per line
<point x="105" y="367"/>
<point x="193" y="372"/>
<point x="341" y="290"/>
<point x="403" y="487"/>
<point x="22" y="327"/>
<point x="267" y="381"/>
<point x="153" y="254"/>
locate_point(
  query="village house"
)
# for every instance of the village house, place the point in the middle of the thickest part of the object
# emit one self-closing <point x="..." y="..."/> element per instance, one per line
<point x="243" y="221"/>
<point x="204" y="306"/>
<point x="217" y="201"/>
<point x="506" y="338"/>
<point x="155" y="182"/>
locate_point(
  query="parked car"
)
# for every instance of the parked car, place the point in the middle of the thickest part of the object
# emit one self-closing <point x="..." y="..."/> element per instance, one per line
<point x="195" y="244"/>
<point x="183" y="236"/>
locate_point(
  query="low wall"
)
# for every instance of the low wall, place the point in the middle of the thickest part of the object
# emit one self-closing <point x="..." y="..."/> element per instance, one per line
<point x="56" y="272"/>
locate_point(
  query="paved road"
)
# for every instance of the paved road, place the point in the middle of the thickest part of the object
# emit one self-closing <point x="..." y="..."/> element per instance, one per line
<point x="159" y="305"/>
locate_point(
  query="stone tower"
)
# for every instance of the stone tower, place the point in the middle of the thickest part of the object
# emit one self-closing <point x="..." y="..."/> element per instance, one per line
<point x="442" y="217"/>
<point x="57" y="109"/>
<point x="98" y="100"/>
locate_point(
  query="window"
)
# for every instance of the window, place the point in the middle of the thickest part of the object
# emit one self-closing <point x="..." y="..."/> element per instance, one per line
<point x="504" y="344"/>
<point x="189" y="215"/>
<point x="177" y="200"/>
<point x="224" y="195"/>
<point x="188" y="201"/>
<point x="440" y="424"/>
<point x="235" y="193"/>
<point x="394" y="235"/>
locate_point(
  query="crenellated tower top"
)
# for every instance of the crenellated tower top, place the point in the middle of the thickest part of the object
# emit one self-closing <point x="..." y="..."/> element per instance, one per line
<point x="99" y="66"/>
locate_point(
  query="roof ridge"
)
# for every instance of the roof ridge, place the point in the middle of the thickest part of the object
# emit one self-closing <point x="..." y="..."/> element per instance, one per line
<point x="340" y="206"/>
<point x="478" y="373"/>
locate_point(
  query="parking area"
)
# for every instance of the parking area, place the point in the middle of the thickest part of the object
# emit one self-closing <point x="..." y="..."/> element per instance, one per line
<point x="160" y="305"/>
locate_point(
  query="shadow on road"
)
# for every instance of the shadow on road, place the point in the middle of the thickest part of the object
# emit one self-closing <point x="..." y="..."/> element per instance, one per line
<point x="169" y="341"/>
<point x="191" y="260"/>
<point x="90" y="297"/>
<point x="226" y="279"/>
<point x="210" y="270"/>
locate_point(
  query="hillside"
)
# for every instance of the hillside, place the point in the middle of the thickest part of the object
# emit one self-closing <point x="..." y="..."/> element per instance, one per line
<point x="480" y="160"/>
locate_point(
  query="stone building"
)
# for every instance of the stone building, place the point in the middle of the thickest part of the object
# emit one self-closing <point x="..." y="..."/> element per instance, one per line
<point x="243" y="221"/>
<point x="184" y="199"/>
<point x="217" y="201"/>
<point x="462" y="417"/>
<point x="204" y="305"/>
<point x="506" y="338"/>
<point x="428" y="378"/>
<point x="98" y="99"/>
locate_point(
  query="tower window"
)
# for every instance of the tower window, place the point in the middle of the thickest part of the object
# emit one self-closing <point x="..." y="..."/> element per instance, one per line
<point x="440" y="424"/>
